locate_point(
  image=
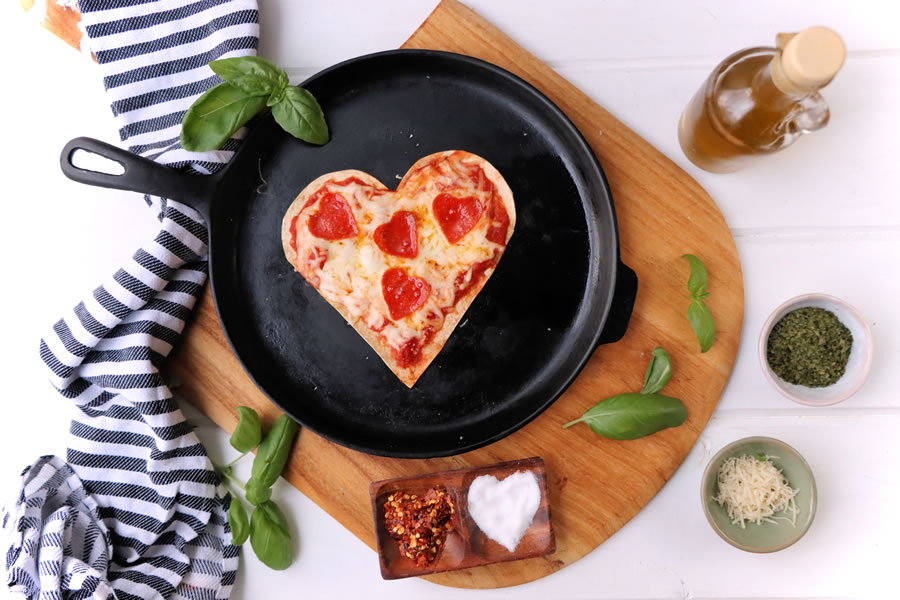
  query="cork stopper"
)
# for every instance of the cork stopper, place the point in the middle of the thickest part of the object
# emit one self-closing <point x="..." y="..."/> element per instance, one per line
<point x="808" y="60"/>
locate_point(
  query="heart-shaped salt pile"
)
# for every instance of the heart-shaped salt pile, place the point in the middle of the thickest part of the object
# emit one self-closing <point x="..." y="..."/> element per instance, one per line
<point x="503" y="510"/>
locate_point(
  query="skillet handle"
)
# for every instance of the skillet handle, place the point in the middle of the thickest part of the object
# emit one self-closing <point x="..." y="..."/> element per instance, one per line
<point x="622" y="305"/>
<point x="141" y="175"/>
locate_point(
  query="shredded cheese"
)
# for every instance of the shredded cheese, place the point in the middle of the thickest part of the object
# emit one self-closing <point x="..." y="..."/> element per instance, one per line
<point x="754" y="490"/>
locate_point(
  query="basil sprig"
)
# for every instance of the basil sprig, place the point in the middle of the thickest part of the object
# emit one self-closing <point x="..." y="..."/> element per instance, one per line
<point x="698" y="313"/>
<point x="251" y="83"/>
<point x="635" y="415"/>
<point x="267" y="528"/>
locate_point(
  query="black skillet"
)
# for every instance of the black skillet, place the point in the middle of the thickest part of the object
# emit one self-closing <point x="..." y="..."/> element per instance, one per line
<point x="559" y="290"/>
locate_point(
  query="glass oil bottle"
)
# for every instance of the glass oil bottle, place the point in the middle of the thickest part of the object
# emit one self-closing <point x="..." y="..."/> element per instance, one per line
<point x="761" y="100"/>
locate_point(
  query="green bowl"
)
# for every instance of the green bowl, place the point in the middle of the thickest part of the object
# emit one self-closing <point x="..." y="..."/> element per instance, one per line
<point x="765" y="537"/>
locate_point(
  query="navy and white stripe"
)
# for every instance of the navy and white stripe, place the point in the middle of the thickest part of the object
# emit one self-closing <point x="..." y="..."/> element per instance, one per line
<point x="136" y="511"/>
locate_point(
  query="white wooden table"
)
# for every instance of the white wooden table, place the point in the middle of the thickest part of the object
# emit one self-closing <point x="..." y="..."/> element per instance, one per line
<point x="824" y="216"/>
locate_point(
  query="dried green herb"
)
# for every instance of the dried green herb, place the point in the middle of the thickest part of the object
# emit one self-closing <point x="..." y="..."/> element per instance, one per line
<point x="809" y="346"/>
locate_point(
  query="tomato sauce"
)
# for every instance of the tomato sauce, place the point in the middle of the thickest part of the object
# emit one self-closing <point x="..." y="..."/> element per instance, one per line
<point x="462" y="286"/>
<point x="410" y="352"/>
<point x="499" y="222"/>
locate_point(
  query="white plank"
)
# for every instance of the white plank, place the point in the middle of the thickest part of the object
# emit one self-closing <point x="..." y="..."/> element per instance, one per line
<point x="319" y="33"/>
<point x="825" y="218"/>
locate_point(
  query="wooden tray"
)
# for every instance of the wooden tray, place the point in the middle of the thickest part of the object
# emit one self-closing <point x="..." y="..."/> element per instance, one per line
<point x="466" y="546"/>
<point x="596" y="485"/>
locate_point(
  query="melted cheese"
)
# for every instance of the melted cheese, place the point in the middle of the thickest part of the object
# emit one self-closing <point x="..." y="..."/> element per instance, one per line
<point x="351" y="274"/>
<point x="754" y="490"/>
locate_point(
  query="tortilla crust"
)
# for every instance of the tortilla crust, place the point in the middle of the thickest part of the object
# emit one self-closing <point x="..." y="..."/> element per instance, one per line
<point x="408" y="375"/>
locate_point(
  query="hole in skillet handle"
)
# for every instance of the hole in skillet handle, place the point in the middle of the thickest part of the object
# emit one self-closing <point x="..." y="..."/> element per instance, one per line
<point x="622" y="305"/>
<point x="90" y="161"/>
<point x="136" y="174"/>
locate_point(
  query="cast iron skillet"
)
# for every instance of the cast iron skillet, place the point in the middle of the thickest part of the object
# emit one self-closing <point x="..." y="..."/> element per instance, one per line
<point x="559" y="290"/>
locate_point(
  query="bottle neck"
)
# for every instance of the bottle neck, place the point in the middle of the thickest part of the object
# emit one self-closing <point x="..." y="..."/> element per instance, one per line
<point x="775" y="73"/>
<point x="769" y="89"/>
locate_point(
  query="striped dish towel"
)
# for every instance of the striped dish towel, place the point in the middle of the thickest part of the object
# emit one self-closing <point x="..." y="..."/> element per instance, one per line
<point x="136" y="510"/>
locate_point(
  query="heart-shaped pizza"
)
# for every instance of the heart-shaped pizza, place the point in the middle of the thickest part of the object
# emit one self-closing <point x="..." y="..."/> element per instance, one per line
<point x="402" y="266"/>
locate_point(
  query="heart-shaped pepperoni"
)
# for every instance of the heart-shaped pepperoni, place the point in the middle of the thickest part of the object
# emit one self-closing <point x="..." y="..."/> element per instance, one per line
<point x="456" y="216"/>
<point x="399" y="236"/>
<point x="334" y="219"/>
<point x="404" y="294"/>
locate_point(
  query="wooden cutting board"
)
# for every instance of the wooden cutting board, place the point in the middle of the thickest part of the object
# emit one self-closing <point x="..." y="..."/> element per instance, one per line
<point x="595" y="485"/>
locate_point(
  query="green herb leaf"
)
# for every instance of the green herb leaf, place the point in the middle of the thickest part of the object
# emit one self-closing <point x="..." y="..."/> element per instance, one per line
<point x="659" y="371"/>
<point x="237" y="519"/>
<point x="761" y="456"/>
<point x="253" y="75"/>
<point x="248" y="432"/>
<point x="273" y="452"/>
<point x="251" y="84"/>
<point x="256" y="492"/>
<point x="276" y="97"/>
<point x="270" y="536"/>
<point x="698" y="280"/>
<point x="632" y="416"/>
<point x="702" y="322"/>
<point x="216" y="115"/>
<point x="301" y="116"/>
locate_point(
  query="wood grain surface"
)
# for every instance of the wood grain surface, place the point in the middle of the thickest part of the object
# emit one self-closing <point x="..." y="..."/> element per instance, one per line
<point x="595" y="485"/>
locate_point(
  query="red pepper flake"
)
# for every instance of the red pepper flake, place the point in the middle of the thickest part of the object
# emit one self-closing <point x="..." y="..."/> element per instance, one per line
<point x="420" y="524"/>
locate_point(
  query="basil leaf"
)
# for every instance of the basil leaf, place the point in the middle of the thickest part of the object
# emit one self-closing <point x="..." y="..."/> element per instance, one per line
<point x="273" y="452"/>
<point x="256" y="492"/>
<point x="216" y="115"/>
<point x="632" y="416"/>
<point x="248" y="432"/>
<point x="270" y="536"/>
<point x="299" y="114"/>
<point x="698" y="279"/>
<point x="253" y="75"/>
<point x="276" y="97"/>
<point x="761" y="456"/>
<point x="237" y="519"/>
<point x="659" y="371"/>
<point x="702" y="322"/>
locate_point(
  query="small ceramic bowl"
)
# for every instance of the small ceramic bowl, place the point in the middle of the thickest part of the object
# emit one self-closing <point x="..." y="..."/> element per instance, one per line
<point x="765" y="537"/>
<point x="857" y="366"/>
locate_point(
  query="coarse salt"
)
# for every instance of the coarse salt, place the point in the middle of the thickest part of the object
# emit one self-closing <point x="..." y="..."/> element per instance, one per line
<point x="504" y="510"/>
